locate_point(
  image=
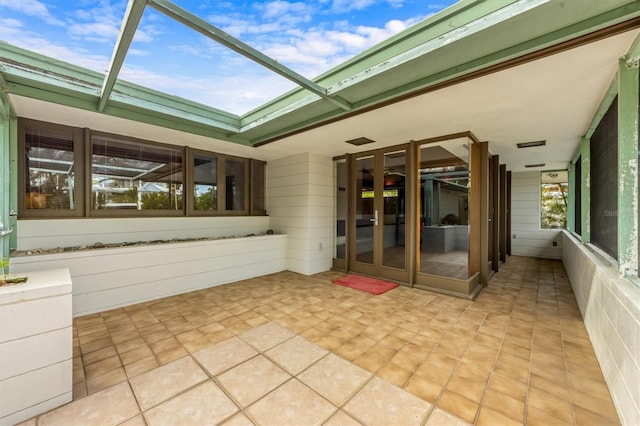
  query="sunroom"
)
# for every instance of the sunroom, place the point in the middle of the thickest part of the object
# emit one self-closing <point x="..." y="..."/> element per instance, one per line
<point x="424" y="161"/>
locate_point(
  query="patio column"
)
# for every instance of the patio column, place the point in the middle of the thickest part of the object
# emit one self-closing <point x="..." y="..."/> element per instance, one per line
<point x="628" y="166"/>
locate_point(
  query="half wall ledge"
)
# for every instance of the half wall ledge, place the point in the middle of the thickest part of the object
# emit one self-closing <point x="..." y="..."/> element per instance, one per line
<point x="109" y="278"/>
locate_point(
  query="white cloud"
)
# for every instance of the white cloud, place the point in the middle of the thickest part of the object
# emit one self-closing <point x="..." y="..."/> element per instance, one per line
<point x="32" y="8"/>
<point x="347" y="5"/>
<point x="10" y="23"/>
<point x="94" y="31"/>
<point x="35" y="43"/>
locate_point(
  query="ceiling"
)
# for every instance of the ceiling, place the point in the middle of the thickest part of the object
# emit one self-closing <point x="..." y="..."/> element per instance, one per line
<point x="552" y="99"/>
<point x="424" y="83"/>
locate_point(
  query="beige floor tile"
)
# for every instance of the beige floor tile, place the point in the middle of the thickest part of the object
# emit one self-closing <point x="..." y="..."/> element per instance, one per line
<point x="489" y="417"/>
<point x="470" y="389"/>
<point x="369" y="362"/>
<point x="140" y="366"/>
<point x="380" y="403"/>
<point x="536" y="417"/>
<point x="239" y="419"/>
<point x="296" y="354"/>
<point x="506" y="405"/>
<point x="102" y="367"/>
<point x="334" y="378"/>
<point x="550" y="404"/>
<point x="135" y="421"/>
<point x="171" y="355"/>
<point x="204" y="404"/>
<point x="106" y="380"/>
<point x="292" y="404"/>
<point x="99" y="355"/>
<point x="136" y="355"/>
<point x="394" y="374"/>
<point x="527" y="313"/>
<point x="425" y="389"/>
<point x="111" y="406"/>
<point x="96" y="345"/>
<point x="441" y="418"/>
<point x="588" y="417"/>
<point x="79" y="390"/>
<point x="266" y="336"/>
<point x="252" y="379"/>
<point x="162" y="383"/>
<point x="340" y="418"/>
<point x="224" y="355"/>
<point x="458" y="405"/>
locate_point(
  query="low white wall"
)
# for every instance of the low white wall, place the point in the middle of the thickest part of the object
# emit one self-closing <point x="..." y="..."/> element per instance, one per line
<point x="610" y="307"/>
<point x="50" y="233"/>
<point x="36" y="346"/>
<point x="529" y="239"/>
<point x="108" y="278"/>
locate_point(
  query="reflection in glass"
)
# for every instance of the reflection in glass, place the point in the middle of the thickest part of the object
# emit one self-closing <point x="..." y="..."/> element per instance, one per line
<point x="235" y="175"/>
<point x="364" y="209"/>
<point x="50" y="169"/>
<point x="394" y="210"/>
<point x="444" y="210"/>
<point x="205" y="186"/>
<point x="341" y="209"/>
<point x="132" y="175"/>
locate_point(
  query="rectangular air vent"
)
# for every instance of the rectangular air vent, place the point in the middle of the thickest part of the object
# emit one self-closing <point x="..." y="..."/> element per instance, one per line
<point x="535" y="165"/>
<point x="531" y="144"/>
<point x="360" y="141"/>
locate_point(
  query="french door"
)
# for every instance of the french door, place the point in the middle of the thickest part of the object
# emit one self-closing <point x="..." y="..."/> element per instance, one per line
<point x="379" y="219"/>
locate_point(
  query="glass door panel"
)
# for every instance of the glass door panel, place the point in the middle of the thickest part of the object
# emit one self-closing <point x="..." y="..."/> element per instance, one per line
<point x="393" y="235"/>
<point x="444" y="210"/>
<point x="365" y="212"/>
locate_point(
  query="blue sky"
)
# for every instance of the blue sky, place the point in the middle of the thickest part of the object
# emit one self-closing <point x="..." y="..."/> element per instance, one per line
<point x="307" y="36"/>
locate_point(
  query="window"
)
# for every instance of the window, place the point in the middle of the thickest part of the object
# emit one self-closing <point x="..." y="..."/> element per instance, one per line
<point x="122" y="176"/>
<point x="603" y="147"/>
<point x="51" y="164"/>
<point x="553" y="199"/>
<point x="235" y="173"/>
<point x="205" y="183"/>
<point x="258" y="199"/>
<point x="135" y="175"/>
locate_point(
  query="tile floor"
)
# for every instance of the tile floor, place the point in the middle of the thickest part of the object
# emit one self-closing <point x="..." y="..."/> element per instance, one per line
<point x="292" y="349"/>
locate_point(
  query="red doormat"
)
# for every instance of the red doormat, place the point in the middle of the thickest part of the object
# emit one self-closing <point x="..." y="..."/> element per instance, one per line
<point x="366" y="284"/>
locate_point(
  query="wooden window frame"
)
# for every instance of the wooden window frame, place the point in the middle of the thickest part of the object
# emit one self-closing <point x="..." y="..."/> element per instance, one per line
<point x="79" y="172"/>
<point x="127" y="212"/>
<point x="254" y="173"/>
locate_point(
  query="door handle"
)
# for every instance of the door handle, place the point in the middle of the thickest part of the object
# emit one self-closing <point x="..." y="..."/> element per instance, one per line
<point x="374" y="219"/>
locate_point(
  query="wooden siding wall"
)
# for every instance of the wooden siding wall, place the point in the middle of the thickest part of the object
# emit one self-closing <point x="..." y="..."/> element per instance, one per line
<point x="529" y="239"/>
<point x="300" y="203"/>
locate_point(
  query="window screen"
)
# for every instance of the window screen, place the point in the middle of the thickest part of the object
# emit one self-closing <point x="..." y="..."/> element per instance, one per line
<point x="604" y="182"/>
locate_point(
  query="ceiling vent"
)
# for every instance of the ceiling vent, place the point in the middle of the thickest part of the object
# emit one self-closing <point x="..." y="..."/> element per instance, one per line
<point x="531" y="144"/>
<point x="535" y="165"/>
<point x="360" y="141"/>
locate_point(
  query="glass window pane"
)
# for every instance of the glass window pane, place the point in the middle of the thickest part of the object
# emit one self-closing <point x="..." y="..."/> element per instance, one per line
<point x="136" y="176"/>
<point x="205" y="183"/>
<point x="554" y="191"/>
<point x="342" y="204"/>
<point x="234" y="184"/>
<point x="258" y="203"/>
<point x="50" y="168"/>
